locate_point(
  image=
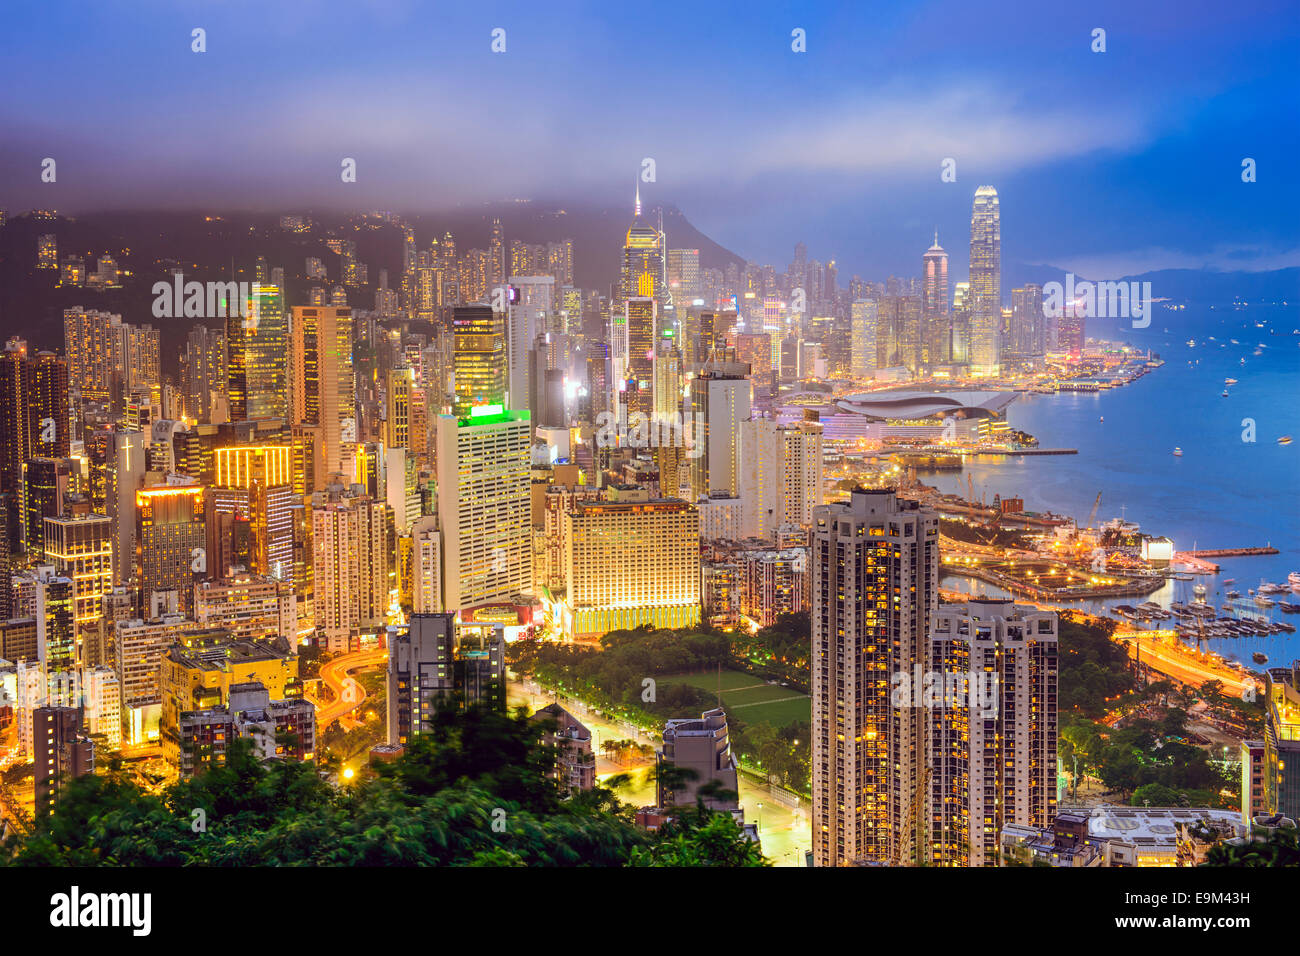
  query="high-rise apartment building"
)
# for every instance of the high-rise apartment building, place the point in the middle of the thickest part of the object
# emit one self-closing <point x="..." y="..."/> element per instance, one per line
<point x="875" y="580"/>
<point x="991" y="741"/>
<point x="780" y="475"/>
<point x="351" y="562"/>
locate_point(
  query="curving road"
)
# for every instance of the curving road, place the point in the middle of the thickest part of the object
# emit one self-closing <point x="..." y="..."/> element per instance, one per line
<point x="348" y="693"/>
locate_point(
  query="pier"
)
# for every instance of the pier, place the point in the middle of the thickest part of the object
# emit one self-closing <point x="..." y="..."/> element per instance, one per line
<point x="1229" y="552"/>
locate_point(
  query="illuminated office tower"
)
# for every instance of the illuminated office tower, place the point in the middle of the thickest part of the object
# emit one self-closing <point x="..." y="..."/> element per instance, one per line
<point x="170" y="543"/>
<point x="479" y="364"/>
<point x="485" y="506"/>
<point x="991" y="747"/>
<point x="80" y="548"/>
<point x="254" y="484"/>
<point x="1027" y="321"/>
<point x="56" y="624"/>
<point x="526" y="318"/>
<point x="720" y="399"/>
<point x="642" y="272"/>
<point x="684" y="278"/>
<point x="203" y="375"/>
<point x="629" y="561"/>
<point x="875" y="580"/>
<point x="985" y="281"/>
<point x="258" y="356"/>
<point x="34" y="416"/>
<point x="324" y="393"/>
<point x="780" y="475"/>
<point x="911" y="342"/>
<point x="863" y="316"/>
<point x="350" y="535"/>
<point x="47" y="251"/>
<point x="934" y="304"/>
<point x="397" y="421"/>
<point x="426" y="565"/>
<point x="45" y="487"/>
<point x="638" y="378"/>
<point x="125" y="470"/>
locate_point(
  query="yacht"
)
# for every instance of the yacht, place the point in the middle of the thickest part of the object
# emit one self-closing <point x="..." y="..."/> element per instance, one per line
<point x="1234" y="594"/>
<point x="1229" y="381"/>
<point x="1262" y="601"/>
<point x="1225" y="393"/>
<point x="1284" y="440"/>
<point x="1178" y="452"/>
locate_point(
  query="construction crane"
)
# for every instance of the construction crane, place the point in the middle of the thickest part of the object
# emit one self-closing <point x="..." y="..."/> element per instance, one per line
<point x="1092" y="515"/>
<point x="913" y="824"/>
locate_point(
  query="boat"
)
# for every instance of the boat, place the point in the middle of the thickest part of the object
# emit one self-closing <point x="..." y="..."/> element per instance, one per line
<point x="1102" y="419"/>
<point x="1225" y="393"/>
<point x="1234" y="594"/>
<point x="1178" y="452"/>
<point x="1294" y="579"/>
<point x="1184" y="576"/>
<point x="1259" y="658"/>
<point x="1262" y="601"/>
<point x="1234" y="341"/>
<point x="1229" y="381"/>
<point x="1289" y="608"/>
<point x="1284" y="440"/>
<point x="1191" y="343"/>
<point x="1229" y="580"/>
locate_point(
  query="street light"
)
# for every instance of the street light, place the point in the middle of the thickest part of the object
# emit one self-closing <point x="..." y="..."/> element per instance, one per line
<point x="760" y="815"/>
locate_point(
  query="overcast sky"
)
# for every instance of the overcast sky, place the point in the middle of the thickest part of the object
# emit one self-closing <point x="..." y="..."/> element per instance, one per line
<point x="1107" y="163"/>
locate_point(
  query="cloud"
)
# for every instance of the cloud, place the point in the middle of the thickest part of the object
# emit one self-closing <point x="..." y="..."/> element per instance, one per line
<point x="1222" y="258"/>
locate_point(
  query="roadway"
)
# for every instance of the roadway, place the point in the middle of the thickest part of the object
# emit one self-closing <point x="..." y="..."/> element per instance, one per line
<point x="1169" y="656"/>
<point x="349" y="695"/>
<point x="785" y="833"/>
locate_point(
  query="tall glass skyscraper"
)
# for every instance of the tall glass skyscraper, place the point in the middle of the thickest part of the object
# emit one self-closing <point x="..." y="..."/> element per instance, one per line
<point x="937" y="342"/>
<point x="985" y="281"/>
<point x="267" y="354"/>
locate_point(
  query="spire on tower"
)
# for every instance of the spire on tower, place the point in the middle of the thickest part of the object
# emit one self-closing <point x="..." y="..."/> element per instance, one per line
<point x="638" y="196"/>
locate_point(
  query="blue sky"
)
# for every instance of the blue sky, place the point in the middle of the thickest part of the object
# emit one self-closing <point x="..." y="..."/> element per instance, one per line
<point x="1106" y="163"/>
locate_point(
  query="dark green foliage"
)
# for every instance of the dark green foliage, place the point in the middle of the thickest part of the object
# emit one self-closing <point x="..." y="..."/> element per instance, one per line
<point x="473" y="792"/>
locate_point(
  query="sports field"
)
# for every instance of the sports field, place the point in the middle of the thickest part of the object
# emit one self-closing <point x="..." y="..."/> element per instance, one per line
<point x="750" y="698"/>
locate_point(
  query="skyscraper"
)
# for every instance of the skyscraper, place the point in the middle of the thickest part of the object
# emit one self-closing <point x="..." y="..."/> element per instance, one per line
<point x="985" y="281"/>
<point x="991" y="749"/>
<point x="875" y="586"/>
<point x="34" y="415"/>
<point x="934" y="298"/>
<point x="1027" y="321"/>
<point x="170" y="543"/>
<point x="485" y="506"/>
<point x="863" y="318"/>
<point x="643" y="269"/>
<point x="480" y="358"/>
<point x="351" y="560"/>
<point x="780" y="475"/>
<point x="720" y="397"/>
<point x="266" y="352"/>
<point x="324" y="391"/>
